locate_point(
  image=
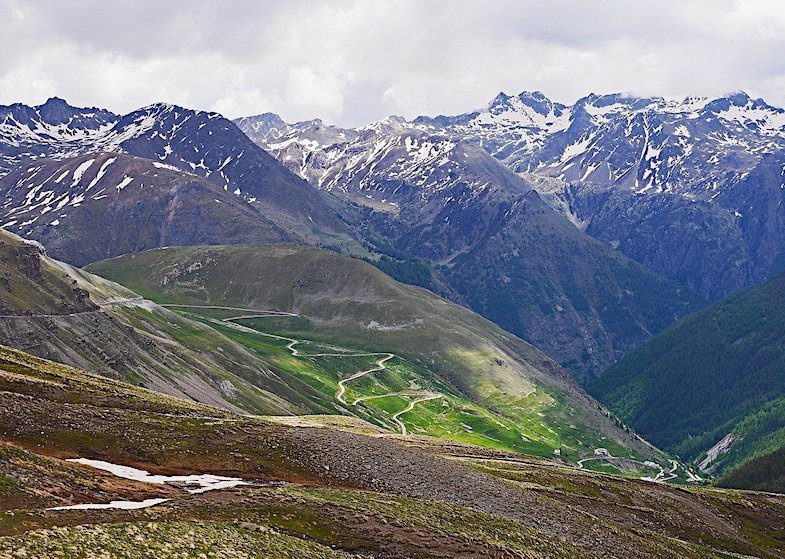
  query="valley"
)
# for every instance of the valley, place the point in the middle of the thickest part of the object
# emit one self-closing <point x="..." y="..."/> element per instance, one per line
<point x="709" y="388"/>
<point x="290" y="280"/>
<point x="335" y="342"/>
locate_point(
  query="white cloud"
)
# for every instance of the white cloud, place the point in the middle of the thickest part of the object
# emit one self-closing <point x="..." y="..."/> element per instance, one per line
<point x="353" y="61"/>
<point x="27" y="81"/>
<point x="317" y="93"/>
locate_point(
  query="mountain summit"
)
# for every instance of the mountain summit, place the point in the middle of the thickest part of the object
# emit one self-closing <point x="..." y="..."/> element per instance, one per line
<point x="640" y="173"/>
<point x="51" y="139"/>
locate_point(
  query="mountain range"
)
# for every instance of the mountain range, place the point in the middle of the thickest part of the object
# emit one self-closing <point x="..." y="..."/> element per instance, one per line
<point x="487" y="232"/>
<point x="205" y="145"/>
<point x="688" y="188"/>
<point x="582" y="231"/>
<point x="395" y="193"/>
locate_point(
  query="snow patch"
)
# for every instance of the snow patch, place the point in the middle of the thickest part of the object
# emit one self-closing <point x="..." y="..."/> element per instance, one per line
<point x="205" y="482"/>
<point x="101" y="172"/>
<point x="81" y="171"/>
<point x="125" y="505"/>
<point x="165" y="166"/>
<point x="123" y="183"/>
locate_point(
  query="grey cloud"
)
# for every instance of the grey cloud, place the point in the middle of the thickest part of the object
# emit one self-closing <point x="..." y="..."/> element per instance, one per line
<point x="356" y="61"/>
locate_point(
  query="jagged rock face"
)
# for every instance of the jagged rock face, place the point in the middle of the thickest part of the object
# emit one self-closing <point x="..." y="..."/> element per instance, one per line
<point x="28" y="260"/>
<point x="659" y="180"/>
<point x="201" y="143"/>
<point x="49" y="130"/>
<point x="30" y="287"/>
<point x="499" y="246"/>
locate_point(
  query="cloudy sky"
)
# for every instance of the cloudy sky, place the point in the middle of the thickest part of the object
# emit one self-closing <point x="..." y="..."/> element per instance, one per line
<point x="355" y="61"/>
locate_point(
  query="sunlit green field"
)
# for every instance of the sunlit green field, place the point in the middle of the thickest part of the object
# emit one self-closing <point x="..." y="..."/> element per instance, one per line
<point x="378" y="396"/>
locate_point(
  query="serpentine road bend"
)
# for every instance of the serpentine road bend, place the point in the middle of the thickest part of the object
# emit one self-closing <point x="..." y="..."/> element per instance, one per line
<point x="340" y="395"/>
<point x="410" y="407"/>
<point x="342" y="383"/>
<point x="661" y="476"/>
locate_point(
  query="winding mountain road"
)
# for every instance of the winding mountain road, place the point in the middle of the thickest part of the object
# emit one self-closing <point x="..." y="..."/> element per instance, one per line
<point x="410" y="407"/>
<point x="342" y="383"/>
<point x="101" y="306"/>
<point x="662" y="476"/>
<point x="340" y="395"/>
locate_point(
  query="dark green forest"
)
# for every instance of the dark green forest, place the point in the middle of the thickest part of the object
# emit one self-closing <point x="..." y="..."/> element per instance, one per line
<point x="716" y="371"/>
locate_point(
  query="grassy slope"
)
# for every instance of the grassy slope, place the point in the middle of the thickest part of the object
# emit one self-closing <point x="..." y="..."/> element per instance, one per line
<point x="717" y="371"/>
<point x="133" y="340"/>
<point x="500" y="386"/>
<point x="422" y="499"/>
<point x="456" y="416"/>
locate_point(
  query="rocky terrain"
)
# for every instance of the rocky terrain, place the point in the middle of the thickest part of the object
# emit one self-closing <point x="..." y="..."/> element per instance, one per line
<point x="688" y="188"/>
<point x="307" y="495"/>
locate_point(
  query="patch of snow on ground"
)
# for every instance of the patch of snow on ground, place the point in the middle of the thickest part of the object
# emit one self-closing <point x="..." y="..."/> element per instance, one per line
<point x="165" y="166"/>
<point x="205" y="482"/>
<point x="81" y="171"/>
<point x="199" y="483"/>
<point x="126" y="505"/>
<point x="99" y="175"/>
<point x="123" y="183"/>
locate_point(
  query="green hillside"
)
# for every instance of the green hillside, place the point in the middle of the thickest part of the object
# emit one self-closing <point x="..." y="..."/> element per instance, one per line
<point x="717" y="373"/>
<point x="452" y="373"/>
<point x="61" y="313"/>
<point x="762" y="473"/>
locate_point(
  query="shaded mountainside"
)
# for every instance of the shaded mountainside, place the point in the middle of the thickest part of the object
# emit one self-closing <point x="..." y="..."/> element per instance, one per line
<point x="200" y="143"/>
<point x="328" y="492"/>
<point x="92" y="207"/>
<point x="213" y="147"/>
<point x="688" y="188"/>
<point x="486" y="231"/>
<point x="712" y="386"/>
<point x="346" y="302"/>
<point x="762" y="473"/>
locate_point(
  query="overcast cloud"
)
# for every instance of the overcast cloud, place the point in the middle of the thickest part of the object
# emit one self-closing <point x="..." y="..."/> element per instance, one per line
<point x="352" y="62"/>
